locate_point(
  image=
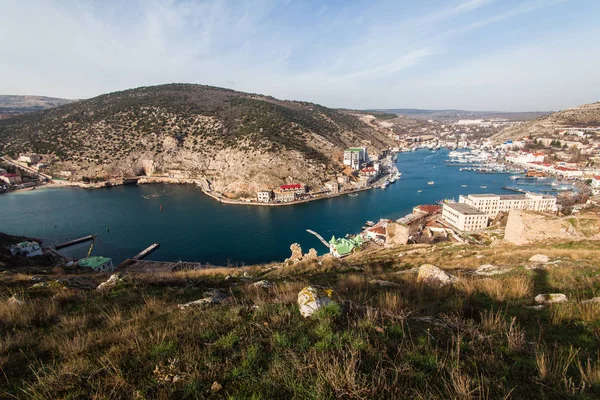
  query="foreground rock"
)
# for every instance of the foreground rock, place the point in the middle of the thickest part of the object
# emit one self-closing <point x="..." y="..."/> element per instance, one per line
<point x="539" y="259"/>
<point x="490" y="270"/>
<point x="432" y="276"/>
<point x="380" y="283"/>
<point x="214" y="296"/>
<point x="549" y="298"/>
<point x="264" y="284"/>
<point x="78" y="282"/>
<point x="15" y="300"/>
<point x="595" y="300"/>
<point x="113" y="281"/>
<point x="313" y="298"/>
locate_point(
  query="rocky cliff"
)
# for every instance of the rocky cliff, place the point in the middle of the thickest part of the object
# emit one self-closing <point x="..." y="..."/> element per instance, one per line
<point x="239" y="142"/>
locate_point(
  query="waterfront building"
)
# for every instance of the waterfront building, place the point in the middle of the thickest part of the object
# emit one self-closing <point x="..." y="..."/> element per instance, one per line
<point x="264" y="196"/>
<point x="333" y="187"/>
<point x="27" y="249"/>
<point x="356" y="157"/>
<point x="596" y="184"/>
<point x="568" y="172"/>
<point x="287" y="193"/>
<point x="343" y="247"/>
<point x="491" y="204"/>
<point x="11" y="179"/>
<point x="97" y="263"/>
<point x="464" y="217"/>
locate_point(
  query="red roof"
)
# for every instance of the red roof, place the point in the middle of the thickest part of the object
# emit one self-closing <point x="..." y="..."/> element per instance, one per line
<point x="597" y="178"/>
<point x="368" y="169"/>
<point x="293" y="186"/>
<point x="538" y="154"/>
<point x="10" y="175"/>
<point x="565" y="169"/>
<point x="429" y="208"/>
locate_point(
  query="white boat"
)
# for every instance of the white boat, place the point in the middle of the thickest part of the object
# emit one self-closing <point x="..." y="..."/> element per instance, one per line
<point x="483" y="187"/>
<point x="419" y="191"/>
<point x="513" y="178"/>
<point x="352" y="194"/>
<point x="431" y="183"/>
<point x="463" y="185"/>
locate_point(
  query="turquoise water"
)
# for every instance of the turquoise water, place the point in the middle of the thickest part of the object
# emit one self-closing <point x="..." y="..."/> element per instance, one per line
<point x="193" y="227"/>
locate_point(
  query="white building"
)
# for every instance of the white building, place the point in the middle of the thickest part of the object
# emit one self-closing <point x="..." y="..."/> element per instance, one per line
<point x="27" y="249"/>
<point x="491" y="204"/>
<point x="596" y="184"/>
<point x="356" y="157"/>
<point x="29" y="158"/>
<point x="568" y="172"/>
<point x="464" y="217"/>
<point x="264" y="196"/>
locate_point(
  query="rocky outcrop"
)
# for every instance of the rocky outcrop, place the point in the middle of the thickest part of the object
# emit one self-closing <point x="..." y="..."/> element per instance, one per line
<point x="214" y="296"/>
<point x="264" y="284"/>
<point x="114" y="280"/>
<point x="539" y="259"/>
<point x="78" y="282"/>
<point x="313" y="298"/>
<point x="490" y="270"/>
<point x="550" y="298"/>
<point x="431" y="275"/>
<point x="296" y="254"/>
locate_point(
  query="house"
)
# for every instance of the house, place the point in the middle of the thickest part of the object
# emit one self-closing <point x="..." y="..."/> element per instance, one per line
<point x="356" y="157"/>
<point x="97" y="263"/>
<point x="287" y="193"/>
<point x="568" y="172"/>
<point x="464" y="217"/>
<point x="596" y="184"/>
<point x="264" y="196"/>
<point x="27" y="249"/>
<point x="343" y="247"/>
<point x="333" y="187"/>
<point x="11" y="179"/>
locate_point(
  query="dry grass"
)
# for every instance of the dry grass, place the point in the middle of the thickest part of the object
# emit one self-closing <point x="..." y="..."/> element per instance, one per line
<point x="506" y="288"/>
<point x="553" y="363"/>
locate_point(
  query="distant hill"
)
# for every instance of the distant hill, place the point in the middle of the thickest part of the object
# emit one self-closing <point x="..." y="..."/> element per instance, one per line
<point x="587" y="115"/>
<point x="453" y="115"/>
<point x="15" y="105"/>
<point x="240" y="142"/>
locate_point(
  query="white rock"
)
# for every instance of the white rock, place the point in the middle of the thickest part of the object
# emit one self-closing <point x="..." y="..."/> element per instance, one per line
<point x="539" y="258"/>
<point x="213" y="296"/>
<point x="262" y="284"/>
<point x="382" y="283"/>
<point x="548" y="298"/>
<point x="479" y="256"/>
<point x="15" y="300"/>
<point x="538" y="307"/>
<point x="312" y="298"/>
<point x="490" y="270"/>
<point x="594" y="300"/>
<point x="113" y="281"/>
<point x="433" y="276"/>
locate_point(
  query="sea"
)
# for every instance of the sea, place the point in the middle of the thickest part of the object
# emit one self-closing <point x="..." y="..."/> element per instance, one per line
<point x="193" y="227"/>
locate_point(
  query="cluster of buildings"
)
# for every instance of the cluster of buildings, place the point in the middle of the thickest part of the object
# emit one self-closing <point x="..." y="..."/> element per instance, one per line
<point x="26" y="249"/>
<point x="473" y="212"/>
<point x="283" y="194"/>
<point x="356" y="157"/>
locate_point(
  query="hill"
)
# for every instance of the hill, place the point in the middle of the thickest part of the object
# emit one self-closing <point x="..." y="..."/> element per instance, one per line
<point x="240" y="142"/>
<point x="454" y="115"/>
<point x="587" y="115"/>
<point x="388" y="333"/>
<point x="15" y="105"/>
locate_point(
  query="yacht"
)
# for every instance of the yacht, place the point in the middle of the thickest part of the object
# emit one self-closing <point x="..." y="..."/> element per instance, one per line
<point x="419" y="191"/>
<point x="514" y="177"/>
<point x="483" y="187"/>
<point x="431" y="183"/>
<point x="463" y="185"/>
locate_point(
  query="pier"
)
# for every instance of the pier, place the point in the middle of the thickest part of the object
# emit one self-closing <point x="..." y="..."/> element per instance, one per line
<point x="73" y="242"/>
<point x="325" y="242"/>
<point x="146" y="251"/>
<point x="514" y="189"/>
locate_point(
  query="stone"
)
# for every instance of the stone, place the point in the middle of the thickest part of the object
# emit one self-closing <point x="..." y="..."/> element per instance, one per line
<point x="213" y="296"/>
<point x="216" y="386"/>
<point x="538" y="307"/>
<point x="382" y="283"/>
<point x="490" y="270"/>
<point x="311" y="255"/>
<point x="433" y="276"/>
<point x="113" y="281"/>
<point x="595" y="300"/>
<point x="38" y="279"/>
<point x="313" y="298"/>
<point x="549" y="298"/>
<point x="479" y="256"/>
<point x="15" y="300"/>
<point x="262" y="284"/>
<point x="78" y="282"/>
<point x="539" y="259"/>
<point x="414" y="270"/>
<point x="296" y="254"/>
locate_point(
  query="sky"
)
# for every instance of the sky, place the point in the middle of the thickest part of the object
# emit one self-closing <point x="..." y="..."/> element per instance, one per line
<point x="502" y="55"/>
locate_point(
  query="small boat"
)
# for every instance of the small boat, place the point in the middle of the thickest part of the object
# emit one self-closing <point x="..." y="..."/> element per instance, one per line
<point x="514" y="178"/>
<point x="352" y="194"/>
<point x="370" y="223"/>
<point x="419" y="191"/>
<point x="483" y="187"/>
<point x="463" y="185"/>
<point x="161" y="207"/>
<point x="431" y="183"/>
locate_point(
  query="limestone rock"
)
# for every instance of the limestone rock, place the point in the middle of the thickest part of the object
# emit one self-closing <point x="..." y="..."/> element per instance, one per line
<point x="311" y="255"/>
<point x="78" y="282"/>
<point x="312" y="298"/>
<point x="490" y="270"/>
<point x="113" y="281"/>
<point x="296" y="254"/>
<point x="539" y="259"/>
<point x="595" y="300"/>
<point x="213" y="296"/>
<point x="433" y="276"/>
<point x="549" y="298"/>
<point x="414" y="270"/>
<point x="15" y="300"/>
<point x="382" y="283"/>
<point x="262" y="284"/>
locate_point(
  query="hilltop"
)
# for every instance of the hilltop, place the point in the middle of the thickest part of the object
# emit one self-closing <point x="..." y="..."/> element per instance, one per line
<point x="587" y="115"/>
<point x="454" y="115"/>
<point x="239" y="142"/>
<point x="479" y="334"/>
<point x="14" y="105"/>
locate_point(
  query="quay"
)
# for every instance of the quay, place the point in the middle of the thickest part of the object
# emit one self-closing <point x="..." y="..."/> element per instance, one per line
<point x="325" y="242"/>
<point x="73" y="242"/>
<point x="514" y="189"/>
<point x="146" y="251"/>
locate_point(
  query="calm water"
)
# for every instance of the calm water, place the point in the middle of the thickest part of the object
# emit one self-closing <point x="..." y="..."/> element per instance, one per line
<point x="193" y="227"/>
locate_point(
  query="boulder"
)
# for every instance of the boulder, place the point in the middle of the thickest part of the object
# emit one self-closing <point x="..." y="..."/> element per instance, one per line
<point x="381" y="283"/>
<point x="549" y="298"/>
<point x="539" y="259"/>
<point x="213" y="296"/>
<point x="312" y="298"/>
<point x="78" y="282"/>
<point x="433" y="276"/>
<point x="262" y="284"/>
<point x="490" y="270"/>
<point x="113" y="281"/>
<point x="595" y="300"/>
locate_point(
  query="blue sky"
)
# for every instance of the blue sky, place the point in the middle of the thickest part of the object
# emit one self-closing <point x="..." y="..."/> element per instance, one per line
<point x="512" y="55"/>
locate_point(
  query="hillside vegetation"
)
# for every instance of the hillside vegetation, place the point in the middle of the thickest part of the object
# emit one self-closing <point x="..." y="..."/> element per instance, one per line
<point x="587" y="115"/>
<point x="200" y="130"/>
<point x="13" y="105"/>
<point x="387" y="335"/>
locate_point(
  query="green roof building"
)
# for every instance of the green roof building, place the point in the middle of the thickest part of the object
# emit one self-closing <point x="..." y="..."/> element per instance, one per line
<point x="97" y="263"/>
<point x="342" y="247"/>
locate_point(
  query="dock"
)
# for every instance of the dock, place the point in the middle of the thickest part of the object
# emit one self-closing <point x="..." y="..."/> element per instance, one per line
<point x="146" y="251"/>
<point x="325" y="242"/>
<point x="73" y="242"/>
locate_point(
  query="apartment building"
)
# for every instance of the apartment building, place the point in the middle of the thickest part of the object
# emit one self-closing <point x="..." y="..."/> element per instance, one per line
<point x="464" y="217"/>
<point x="356" y="157"/>
<point x="491" y="204"/>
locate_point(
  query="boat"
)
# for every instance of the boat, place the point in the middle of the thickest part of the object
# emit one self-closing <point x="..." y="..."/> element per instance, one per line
<point x="419" y="191"/>
<point x="352" y="194"/>
<point x="513" y="178"/>
<point x="369" y="223"/>
<point x="463" y="185"/>
<point x="431" y="183"/>
<point x="483" y="187"/>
